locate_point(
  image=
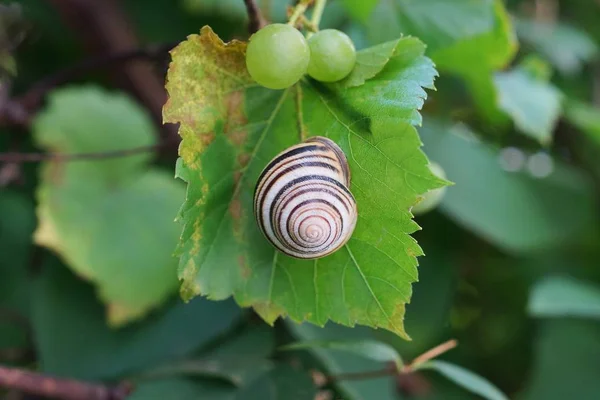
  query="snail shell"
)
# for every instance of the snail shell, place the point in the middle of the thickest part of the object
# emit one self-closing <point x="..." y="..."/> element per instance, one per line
<point x="302" y="200"/>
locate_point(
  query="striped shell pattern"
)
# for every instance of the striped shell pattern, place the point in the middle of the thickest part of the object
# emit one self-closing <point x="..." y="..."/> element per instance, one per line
<point x="302" y="201"/>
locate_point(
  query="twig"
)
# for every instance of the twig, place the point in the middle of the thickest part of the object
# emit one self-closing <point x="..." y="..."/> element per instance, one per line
<point x="64" y="389"/>
<point x="19" y="111"/>
<point x="430" y="354"/>
<point x="391" y="368"/>
<point x="298" y="11"/>
<point x="318" y="12"/>
<point x="14" y="157"/>
<point x="104" y="26"/>
<point x="33" y="97"/>
<point x="254" y="15"/>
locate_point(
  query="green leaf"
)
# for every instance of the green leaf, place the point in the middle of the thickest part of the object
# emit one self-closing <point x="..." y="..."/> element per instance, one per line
<point x="565" y="46"/>
<point x="181" y="388"/>
<point x="17" y="222"/>
<point x="439" y="23"/>
<point x="111" y="220"/>
<point x="7" y="64"/>
<point x="281" y="383"/>
<point x="534" y="105"/>
<point x="566" y="355"/>
<point x="565" y="362"/>
<point x="239" y="360"/>
<point x="586" y="117"/>
<point x="475" y="59"/>
<point x="231" y="129"/>
<point x="370" y="349"/>
<point x="360" y="9"/>
<point x="338" y="362"/>
<point x="67" y="320"/>
<point x="564" y="297"/>
<point x="465" y="378"/>
<point x="514" y="213"/>
<point x="369" y="62"/>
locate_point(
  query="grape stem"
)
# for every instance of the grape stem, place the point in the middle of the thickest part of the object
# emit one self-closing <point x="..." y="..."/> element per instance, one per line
<point x="298" y="11"/>
<point x="318" y="12"/>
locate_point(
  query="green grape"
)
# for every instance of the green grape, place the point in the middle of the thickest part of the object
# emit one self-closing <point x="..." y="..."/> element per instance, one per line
<point x="434" y="197"/>
<point x="332" y="55"/>
<point x="277" y="56"/>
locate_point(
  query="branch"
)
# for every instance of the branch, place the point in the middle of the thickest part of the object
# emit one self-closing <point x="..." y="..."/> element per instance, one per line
<point x="64" y="389"/>
<point x="431" y="354"/>
<point x="254" y="15"/>
<point x="18" y="112"/>
<point x="104" y="26"/>
<point x="19" y="158"/>
<point x="33" y="97"/>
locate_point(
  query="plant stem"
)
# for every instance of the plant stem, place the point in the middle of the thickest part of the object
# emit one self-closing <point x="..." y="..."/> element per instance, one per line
<point x="19" y="158"/>
<point x="318" y="12"/>
<point x="255" y="17"/>
<point x="65" y="389"/>
<point x="430" y="354"/>
<point x="299" y="10"/>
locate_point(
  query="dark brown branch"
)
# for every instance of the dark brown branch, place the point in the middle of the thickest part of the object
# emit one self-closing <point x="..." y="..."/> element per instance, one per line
<point x="14" y="157"/>
<point x="104" y="26"/>
<point x="33" y="97"/>
<point x="254" y="15"/>
<point x="18" y="112"/>
<point x="64" y="389"/>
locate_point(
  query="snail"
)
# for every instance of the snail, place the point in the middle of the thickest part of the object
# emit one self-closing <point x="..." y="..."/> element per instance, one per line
<point x="302" y="200"/>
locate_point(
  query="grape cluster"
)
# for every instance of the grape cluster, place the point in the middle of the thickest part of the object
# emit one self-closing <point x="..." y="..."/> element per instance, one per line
<point x="279" y="55"/>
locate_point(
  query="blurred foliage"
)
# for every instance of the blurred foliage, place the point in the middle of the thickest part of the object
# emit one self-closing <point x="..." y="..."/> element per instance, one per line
<point x="512" y="265"/>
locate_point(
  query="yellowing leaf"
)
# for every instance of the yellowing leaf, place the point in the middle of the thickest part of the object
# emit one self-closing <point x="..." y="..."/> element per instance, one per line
<point x="111" y="220"/>
<point x="231" y="129"/>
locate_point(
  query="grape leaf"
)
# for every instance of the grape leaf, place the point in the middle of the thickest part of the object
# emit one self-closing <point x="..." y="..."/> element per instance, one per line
<point x="369" y="62"/>
<point x="565" y="360"/>
<point x="564" y="297"/>
<point x="534" y="105"/>
<point x="470" y="39"/>
<point x="67" y="319"/>
<point x="565" y="46"/>
<point x="231" y="129"/>
<point x="584" y="116"/>
<point x="475" y="59"/>
<point x="465" y="378"/>
<point x="360" y="9"/>
<point x="370" y="349"/>
<point x="439" y="23"/>
<point x="342" y="362"/>
<point x="110" y="220"/>
<point x="513" y="213"/>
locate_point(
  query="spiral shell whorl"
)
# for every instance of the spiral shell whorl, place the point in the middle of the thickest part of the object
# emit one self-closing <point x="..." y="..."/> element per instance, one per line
<point x="302" y="202"/>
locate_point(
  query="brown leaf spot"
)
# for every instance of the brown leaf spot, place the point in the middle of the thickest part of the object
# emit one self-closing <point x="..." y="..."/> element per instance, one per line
<point x="246" y="271"/>
<point x="236" y="119"/>
<point x="235" y="209"/>
<point x="243" y="159"/>
<point x="206" y="138"/>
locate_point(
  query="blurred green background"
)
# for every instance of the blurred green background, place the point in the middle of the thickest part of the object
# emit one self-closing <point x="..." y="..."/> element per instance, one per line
<point x="512" y="265"/>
